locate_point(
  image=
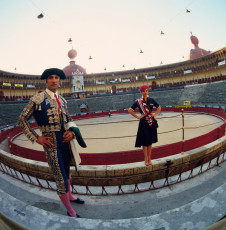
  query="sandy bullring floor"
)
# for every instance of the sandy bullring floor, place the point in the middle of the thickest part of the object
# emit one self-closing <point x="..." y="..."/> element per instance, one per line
<point x="99" y="139"/>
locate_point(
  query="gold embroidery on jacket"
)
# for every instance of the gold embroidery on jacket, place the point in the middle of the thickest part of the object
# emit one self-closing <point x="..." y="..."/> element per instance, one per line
<point x="23" y="122"/>
<point x="51" y="119"/>
<point x="49" y="128"/>
<point x="52" y="159"/>
<point x="53" y="103"/>
<point x="49" y="112"/>
<point x="38" y="98"/>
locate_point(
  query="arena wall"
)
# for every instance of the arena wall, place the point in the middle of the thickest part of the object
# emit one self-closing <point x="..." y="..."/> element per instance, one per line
<point x="209" y="68"/>
<point x="123" y="174"/>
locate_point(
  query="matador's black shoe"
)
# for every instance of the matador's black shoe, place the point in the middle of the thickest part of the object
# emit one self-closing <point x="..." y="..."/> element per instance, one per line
<point x="73" y="216"/>
<point x="78" y="201"/>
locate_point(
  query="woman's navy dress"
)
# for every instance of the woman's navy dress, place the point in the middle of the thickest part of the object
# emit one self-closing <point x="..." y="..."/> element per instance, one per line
<point x="146" y="135"/>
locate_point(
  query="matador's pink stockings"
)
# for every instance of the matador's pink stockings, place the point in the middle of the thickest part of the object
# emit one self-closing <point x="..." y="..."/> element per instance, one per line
<point x="69" y="191"/>
<point x="65" y="200"/>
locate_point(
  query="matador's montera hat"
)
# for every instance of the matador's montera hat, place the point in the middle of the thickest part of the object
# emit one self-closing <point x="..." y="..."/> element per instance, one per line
<point x="53" y="71"/>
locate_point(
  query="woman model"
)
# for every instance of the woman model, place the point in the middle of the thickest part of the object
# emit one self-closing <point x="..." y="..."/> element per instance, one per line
<point x="147" y="130"/>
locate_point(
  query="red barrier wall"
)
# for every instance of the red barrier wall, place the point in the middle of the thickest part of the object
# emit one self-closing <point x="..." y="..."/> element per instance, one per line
<point x="127" y="156"/>
<point x="4" y="134"/>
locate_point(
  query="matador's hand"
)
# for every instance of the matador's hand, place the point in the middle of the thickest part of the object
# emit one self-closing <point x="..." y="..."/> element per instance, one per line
<point x="68" y="136"/>
<point x="44" y="141"/>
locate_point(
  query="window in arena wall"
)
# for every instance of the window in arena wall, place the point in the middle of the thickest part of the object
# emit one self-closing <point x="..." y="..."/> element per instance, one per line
<point x="220" y="63"/>
<point x="150" y="77"/>
<point x="125" y="80"/>
<point x="187" y="71"/>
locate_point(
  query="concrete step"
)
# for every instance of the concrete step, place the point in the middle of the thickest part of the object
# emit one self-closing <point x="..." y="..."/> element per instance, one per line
<point x="193" y="204"/>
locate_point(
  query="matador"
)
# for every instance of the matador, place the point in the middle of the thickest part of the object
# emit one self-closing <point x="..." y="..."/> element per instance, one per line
<point x="50" y="111"/>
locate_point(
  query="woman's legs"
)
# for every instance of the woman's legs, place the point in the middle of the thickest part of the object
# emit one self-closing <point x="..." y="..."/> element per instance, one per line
<point x="149" y="148"/>
<point x="145" y="150"/>
<point x="147" y="154"/>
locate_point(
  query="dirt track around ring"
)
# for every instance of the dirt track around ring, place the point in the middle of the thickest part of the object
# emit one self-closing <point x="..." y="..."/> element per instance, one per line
<point x="120" y="125"/>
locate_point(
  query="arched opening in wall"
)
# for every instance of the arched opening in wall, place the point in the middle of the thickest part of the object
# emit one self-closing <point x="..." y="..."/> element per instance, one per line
<point x="1" y="95"/>
<point x="153" y="85"/>
<point x="113" y="89"/>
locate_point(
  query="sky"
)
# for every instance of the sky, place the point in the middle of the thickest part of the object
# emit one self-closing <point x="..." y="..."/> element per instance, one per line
<point x="112" y="32"/>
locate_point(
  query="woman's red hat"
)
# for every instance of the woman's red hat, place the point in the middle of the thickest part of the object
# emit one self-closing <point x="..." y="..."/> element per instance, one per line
<point x="143" y="87"/>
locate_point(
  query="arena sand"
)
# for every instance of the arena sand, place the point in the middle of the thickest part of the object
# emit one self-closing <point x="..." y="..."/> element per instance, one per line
<point x="118" y="133"/>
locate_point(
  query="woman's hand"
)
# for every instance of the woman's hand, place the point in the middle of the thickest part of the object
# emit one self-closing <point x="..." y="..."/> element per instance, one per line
<point x="44" y="141"/>
<point x="142" y="115"/>
<point x="134" y="114"/>
<point x="68" y="136"/>
<point x="157" y="112"/>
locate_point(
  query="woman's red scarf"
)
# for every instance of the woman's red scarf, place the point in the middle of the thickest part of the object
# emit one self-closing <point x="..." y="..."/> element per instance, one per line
<point x="145" y="109"/>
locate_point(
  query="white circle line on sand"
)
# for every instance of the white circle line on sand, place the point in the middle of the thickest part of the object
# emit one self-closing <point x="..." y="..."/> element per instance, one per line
<point x="128" y="131"/>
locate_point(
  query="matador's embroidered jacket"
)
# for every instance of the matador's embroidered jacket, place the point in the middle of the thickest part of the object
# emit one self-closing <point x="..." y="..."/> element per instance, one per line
<point x="45" y="111"/>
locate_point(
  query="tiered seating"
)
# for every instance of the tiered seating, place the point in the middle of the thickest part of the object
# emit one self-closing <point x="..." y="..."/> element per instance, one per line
<point x="214" y="94"/>
<point x="192" y="93"/>
<point x="168" y="97"/>
<point x="10" y="113"/>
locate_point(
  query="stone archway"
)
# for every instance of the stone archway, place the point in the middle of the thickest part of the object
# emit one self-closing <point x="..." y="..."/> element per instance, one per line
<point x="153" y="85"/>
<point x="113" y="89"/>
<point x="1" y="95"/>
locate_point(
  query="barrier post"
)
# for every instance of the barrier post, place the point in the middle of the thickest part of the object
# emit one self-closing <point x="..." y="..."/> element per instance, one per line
<point x="182" y="152"/>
